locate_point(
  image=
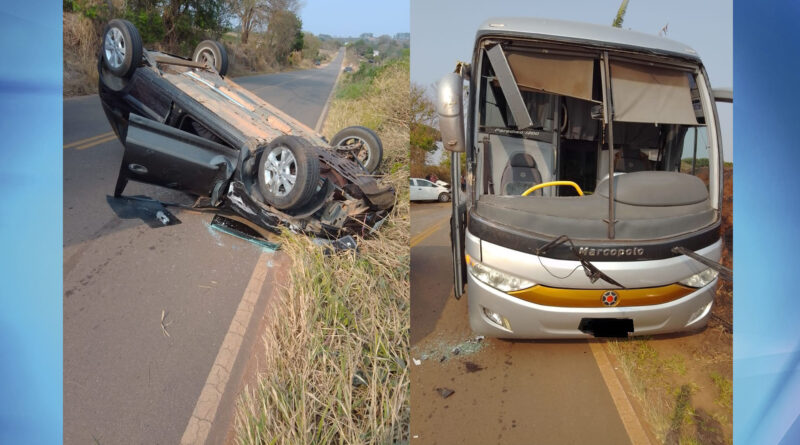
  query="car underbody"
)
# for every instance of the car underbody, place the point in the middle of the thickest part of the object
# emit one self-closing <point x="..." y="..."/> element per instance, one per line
<point x="186" y="127"/>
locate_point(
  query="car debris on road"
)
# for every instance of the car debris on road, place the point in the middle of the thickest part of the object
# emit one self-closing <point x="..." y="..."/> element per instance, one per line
<point x="445" y="351"/>
<point x="445" y="392"/>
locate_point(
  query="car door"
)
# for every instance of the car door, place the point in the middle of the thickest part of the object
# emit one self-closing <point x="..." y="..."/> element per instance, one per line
<point x="428" y="190"/>
<point x="158" y="154"/>
<point x="414" y="190"/>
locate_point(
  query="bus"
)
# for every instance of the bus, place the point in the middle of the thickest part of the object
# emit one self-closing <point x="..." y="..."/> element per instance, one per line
<point x="593" y="181"/>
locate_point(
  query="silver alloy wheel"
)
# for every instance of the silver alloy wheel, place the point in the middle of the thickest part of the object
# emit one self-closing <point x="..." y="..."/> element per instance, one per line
<point x="280" y="171"/>
<point x="114" y="47"/>
<point x="363" y="153"/>
<point x="206" y="56"/>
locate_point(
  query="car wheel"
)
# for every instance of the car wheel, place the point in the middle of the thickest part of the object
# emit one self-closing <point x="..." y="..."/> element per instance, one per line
<point x="212" y="53"/>
<point x="371" y="152"/>
<point x="288" y="174"/>
<point x="122" y="47"/>
<point x="444" y="197"/>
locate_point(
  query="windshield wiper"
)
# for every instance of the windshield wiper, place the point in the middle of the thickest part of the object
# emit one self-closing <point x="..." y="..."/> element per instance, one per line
<point x="724" y="272"/>
<point x="591" y="271"/>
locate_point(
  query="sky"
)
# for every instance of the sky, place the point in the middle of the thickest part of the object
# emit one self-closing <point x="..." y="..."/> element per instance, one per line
<point x="443" y="32"/>
<point x="344" y="18"/>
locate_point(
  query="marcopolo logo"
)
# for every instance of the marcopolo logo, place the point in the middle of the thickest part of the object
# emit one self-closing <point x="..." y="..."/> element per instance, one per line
<point x="606" y="252"/>
<point x="610" y="298"/>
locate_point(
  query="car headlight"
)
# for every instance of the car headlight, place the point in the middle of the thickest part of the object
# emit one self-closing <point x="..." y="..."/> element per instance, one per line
<point x="493" y="277"/>
<point x="700" y="279"/>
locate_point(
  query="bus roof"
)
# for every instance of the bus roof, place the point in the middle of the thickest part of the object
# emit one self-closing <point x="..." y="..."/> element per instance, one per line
<point x="584" y="33"/>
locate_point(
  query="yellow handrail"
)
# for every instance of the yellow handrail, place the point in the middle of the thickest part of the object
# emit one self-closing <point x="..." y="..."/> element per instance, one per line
<point x="552" y="183"/>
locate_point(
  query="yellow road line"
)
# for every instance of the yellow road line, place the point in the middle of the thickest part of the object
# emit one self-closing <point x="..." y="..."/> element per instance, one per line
<point x="88" y="140"/>
<point x="630" y="420"/>
<point x="98" y="142"/>
<point x="428" y="232"/>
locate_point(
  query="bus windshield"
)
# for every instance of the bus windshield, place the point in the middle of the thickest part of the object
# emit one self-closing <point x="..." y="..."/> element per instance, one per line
<point x="550" y="125"/>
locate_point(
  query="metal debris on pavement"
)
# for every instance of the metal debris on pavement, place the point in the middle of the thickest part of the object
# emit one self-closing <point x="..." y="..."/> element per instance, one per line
<point x="445" y="392"/>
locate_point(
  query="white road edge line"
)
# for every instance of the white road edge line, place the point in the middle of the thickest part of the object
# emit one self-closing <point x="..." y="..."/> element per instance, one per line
<point x="630" y="420"/>
<point x="324" y="113"/>
<point x="205" y="410"/>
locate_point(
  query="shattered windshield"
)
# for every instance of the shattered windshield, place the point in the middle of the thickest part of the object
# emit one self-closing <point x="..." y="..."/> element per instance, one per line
<point x="548" y="125"/>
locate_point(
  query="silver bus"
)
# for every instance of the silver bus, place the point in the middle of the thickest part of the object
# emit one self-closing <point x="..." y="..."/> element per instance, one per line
<point x="593" y="194"/>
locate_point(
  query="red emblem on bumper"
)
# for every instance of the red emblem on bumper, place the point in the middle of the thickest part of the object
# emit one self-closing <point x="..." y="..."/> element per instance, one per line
<point x="610" y="298"/>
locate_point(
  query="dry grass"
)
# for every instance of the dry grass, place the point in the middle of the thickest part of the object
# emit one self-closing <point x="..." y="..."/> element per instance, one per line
<point x="351" y="58"/>
<point x="645" y="370"/>
<point x="681" y="388"/>
<point x="249" y="59"/>
<point x="384" y="108"/>
<point x="336" y="367"/>
<point x="81" y="40"/>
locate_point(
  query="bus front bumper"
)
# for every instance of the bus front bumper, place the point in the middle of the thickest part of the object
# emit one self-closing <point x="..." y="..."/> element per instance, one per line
<point x="522" y="319"/>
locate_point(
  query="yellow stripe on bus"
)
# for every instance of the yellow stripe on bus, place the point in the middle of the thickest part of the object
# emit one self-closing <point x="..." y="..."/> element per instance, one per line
<point x="553" y="296"/>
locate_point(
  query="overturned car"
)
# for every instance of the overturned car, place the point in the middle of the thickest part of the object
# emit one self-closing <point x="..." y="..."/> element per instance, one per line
<point x="185" y="126"/>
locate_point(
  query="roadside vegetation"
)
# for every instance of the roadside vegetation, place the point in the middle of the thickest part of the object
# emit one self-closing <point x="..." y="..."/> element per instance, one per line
<point x="336" y="366"/>
<point x="683" y="384"/>
<point x="260" y="36"/>
<point x="424" y="137"/>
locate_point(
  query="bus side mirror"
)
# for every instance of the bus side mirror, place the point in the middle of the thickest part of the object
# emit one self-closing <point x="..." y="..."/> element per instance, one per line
<point x="723" y="95"/>
<point x="450" y="108"/>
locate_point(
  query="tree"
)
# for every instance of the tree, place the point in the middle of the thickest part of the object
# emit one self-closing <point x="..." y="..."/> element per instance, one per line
<point x="422" y="109"/>
<point x="298" y="43"/>
<point x="184" y="22"/>
<point x="254" y="13"/>
<point x="617" y="23"/>
<point x="423" y="115"/>
<point x="284" y="34"/>
<point x="311" y="46"/>
<point x="250" y="14"/>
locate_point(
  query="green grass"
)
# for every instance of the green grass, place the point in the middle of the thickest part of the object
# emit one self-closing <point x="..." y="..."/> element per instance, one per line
<point x="724" y="388"/>
<point x="358" y="83"/>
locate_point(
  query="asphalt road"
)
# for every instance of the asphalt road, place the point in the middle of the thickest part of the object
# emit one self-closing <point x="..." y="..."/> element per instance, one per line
<point x="509" y="392"/>
<point x="127" y="379"/>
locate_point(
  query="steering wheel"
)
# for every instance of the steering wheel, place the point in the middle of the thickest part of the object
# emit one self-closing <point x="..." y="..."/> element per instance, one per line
<point x="550" y="184"/>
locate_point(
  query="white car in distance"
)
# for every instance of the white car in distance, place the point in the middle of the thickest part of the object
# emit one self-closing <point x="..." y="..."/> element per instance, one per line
<point x="424" y="190"/>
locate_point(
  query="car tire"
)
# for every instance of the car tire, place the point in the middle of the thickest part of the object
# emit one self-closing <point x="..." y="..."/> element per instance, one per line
<point x="284" y="160"/>
<point x="371" y="155"/>
<point x="121" y="49"/>
<point x="212" y="53"/>
<point x="444" y="197"/>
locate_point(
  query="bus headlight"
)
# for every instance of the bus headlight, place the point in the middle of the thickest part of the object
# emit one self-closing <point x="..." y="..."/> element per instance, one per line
<point x="700" y="279"/>
<point x="493" y="277"/>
